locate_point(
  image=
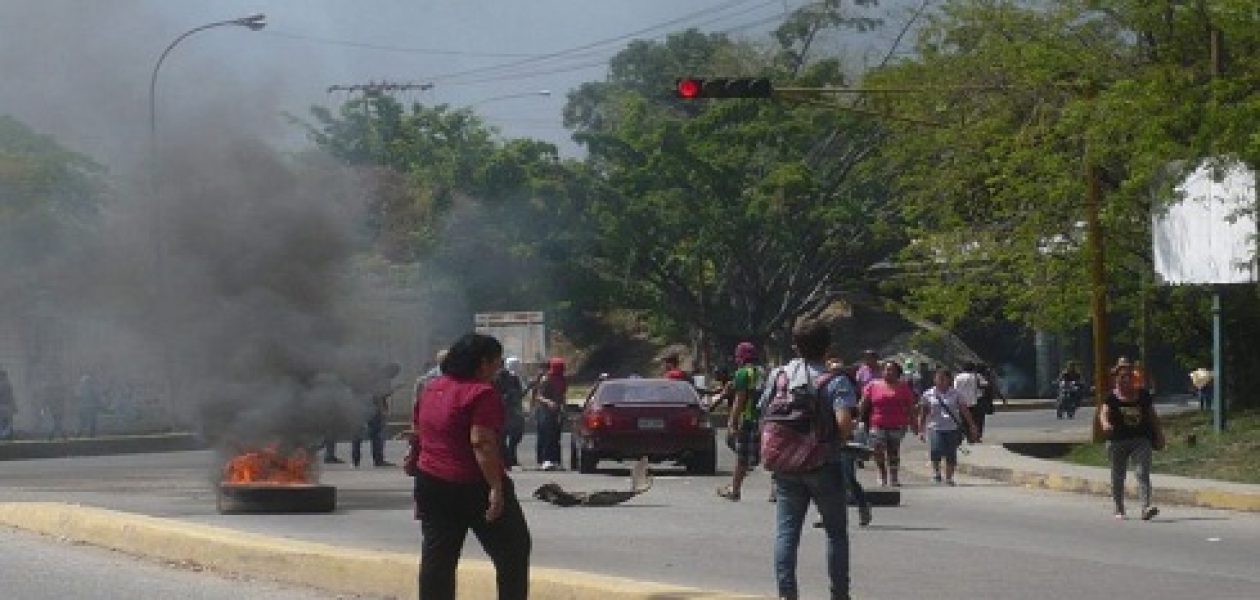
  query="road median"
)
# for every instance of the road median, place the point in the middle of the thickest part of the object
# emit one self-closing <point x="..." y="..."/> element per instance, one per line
<point x="1001" y="464"/>
<point x="100" y="446"/>
<point x="323" y="566"/>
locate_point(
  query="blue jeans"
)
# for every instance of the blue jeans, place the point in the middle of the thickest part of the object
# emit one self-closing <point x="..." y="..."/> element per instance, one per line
<point x="849" y="465"/>
<point x="825" y="487"/>
<point x="375" y="430"/>
<point x="944" y="445"/>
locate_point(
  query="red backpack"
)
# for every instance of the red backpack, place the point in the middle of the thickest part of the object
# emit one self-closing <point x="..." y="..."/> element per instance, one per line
<point x="798" y="425"/>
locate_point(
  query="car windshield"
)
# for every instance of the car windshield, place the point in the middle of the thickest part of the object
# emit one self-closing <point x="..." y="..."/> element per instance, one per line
<point x="646" y="391"/>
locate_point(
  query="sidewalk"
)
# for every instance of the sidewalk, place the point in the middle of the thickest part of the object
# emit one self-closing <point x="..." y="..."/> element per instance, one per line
<point x="999" y="463"/>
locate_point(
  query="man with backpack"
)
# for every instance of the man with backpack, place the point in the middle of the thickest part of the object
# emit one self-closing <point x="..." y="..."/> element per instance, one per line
<point x="744" y="421"/>
<point x="805" y="421"/>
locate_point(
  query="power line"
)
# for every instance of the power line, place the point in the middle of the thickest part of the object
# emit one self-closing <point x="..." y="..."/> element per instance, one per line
<point x="555" y="69"/>
<point x="591" y="45"/>
<point x="390" y="48"/>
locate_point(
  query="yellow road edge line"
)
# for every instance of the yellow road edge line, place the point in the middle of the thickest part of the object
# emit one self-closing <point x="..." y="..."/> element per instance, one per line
<point x="323" y="566"/>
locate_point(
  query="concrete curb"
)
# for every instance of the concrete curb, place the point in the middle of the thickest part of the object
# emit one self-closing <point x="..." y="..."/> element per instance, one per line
<point x="1207" y="497"/>
<point x="100" y="446"/>
<point x="366" y="572"/>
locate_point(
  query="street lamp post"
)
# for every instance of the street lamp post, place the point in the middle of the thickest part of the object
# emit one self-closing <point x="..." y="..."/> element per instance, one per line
<point x="253" y="22"/>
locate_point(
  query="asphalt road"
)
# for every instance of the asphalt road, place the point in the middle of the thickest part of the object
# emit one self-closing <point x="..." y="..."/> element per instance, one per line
<point x="979" y="540"/>
<point x="38" y="568"/>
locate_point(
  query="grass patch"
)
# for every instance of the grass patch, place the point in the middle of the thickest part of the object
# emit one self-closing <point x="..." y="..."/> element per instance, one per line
<point x="1232" y="456"/>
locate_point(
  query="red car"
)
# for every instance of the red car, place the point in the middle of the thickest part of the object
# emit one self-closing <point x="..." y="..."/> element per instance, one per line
<point x="662" y="419"/>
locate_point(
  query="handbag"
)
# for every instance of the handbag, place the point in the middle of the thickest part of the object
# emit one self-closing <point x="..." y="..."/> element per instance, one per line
<point x="966" y="431"/>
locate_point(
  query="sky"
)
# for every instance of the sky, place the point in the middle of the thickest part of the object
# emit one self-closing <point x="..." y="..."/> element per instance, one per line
<point x="80" y="69"/>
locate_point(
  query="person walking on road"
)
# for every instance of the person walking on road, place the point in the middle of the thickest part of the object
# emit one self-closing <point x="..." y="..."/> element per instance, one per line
<point x="1201" y="381"/>
<point x="508" y="383"/>
<point x="461" y="482"/>
<point x="970" y="385"/>
<point x="88" y="394"/>
<point x="848" y="460"/>
<point x="869" y="370"/>
<point x="888" y="402"/>
<point x="1133" y="430"/>
<point x="823" y="485"/>
<point x="944" y="419"/>
<point x="8" y="407"/>
<point x="378" y="389"/>
<point x="548" y="401"/>
<point x="745" y="418"/>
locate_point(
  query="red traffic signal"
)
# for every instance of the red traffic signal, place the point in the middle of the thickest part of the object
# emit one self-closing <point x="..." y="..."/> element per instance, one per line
<point x="689" y="89"/>
<point x="736" y="87"/>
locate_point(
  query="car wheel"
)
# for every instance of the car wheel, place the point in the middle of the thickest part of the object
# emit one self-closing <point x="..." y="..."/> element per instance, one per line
<point x="586" y="461"/>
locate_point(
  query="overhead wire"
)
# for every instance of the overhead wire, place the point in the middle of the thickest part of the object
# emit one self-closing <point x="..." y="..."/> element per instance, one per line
<point x="576" y="50"/>
<point x="605" y="55"/>
<point x="391" y="48"/>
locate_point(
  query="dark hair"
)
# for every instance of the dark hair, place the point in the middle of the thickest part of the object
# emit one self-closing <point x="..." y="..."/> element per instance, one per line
<point x="896" y="365"/>
<point x="811" y="338"/>
<point x="671" y="359"/>
<point x="969" y="366"/>
<point x="945" y="372"/>
<point x="468" y="353"/>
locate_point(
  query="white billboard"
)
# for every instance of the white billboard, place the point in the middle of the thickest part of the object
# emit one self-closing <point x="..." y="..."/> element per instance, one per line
<point x="522" y="333"/>
<point x="1208" y="236"/>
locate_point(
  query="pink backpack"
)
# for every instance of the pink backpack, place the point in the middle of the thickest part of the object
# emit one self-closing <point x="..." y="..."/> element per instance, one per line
<point x="798" y="426"/>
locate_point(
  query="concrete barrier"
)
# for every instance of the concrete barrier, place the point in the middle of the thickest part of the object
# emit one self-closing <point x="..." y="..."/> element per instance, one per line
<point x="344" y="570"/>
<point x="99" y="446"/>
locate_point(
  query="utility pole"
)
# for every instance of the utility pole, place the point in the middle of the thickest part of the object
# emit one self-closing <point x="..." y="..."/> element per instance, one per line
<point x="1216" y="42"/>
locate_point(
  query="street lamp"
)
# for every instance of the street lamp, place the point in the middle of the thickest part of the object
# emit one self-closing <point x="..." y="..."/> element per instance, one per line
<point x="509" y="96"/>
<point x="254" y="22"/>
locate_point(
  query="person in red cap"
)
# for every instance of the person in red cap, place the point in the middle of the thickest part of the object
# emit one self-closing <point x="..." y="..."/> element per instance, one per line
<point x="548" y="400"/>
<point x="670" y="368"/>
<point x="741" y="429"/>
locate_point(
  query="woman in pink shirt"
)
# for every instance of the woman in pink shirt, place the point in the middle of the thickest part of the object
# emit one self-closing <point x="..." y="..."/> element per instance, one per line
<point x="461" y="482"/>
<point x="889" y="402"/>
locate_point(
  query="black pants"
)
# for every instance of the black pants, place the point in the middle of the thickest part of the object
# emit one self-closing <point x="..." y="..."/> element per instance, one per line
<point x="376" y="437"/>
<point x="511" y="440"/>
<point x="549" y="427"/>
<point x="447" y="511"/>
<point x="978" y="414"/>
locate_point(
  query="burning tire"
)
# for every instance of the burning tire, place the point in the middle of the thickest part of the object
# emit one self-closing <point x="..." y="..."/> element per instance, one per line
<point x="238" y="498"/>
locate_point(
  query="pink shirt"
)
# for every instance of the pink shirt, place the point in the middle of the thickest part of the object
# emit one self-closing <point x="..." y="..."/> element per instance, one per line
<point x="444" y="417"/>
<point x="890" y="404"/>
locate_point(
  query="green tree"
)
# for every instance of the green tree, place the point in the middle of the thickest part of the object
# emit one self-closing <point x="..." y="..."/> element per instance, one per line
<point x="48" y="195"/>
<point x="450" y="192"/>
<point x="995" y="195"/>
<point x="733" y="218"/>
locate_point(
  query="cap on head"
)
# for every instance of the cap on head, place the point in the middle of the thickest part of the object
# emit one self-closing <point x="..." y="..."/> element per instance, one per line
<point x="555" y="365"/>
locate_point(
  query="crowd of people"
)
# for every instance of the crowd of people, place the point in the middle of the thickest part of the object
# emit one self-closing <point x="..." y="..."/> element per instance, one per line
<point x="57" y="403"/>
<point x="469" y="414"/>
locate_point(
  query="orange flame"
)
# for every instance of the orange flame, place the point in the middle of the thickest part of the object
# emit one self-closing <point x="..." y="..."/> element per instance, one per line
<point x="269" y="466"/>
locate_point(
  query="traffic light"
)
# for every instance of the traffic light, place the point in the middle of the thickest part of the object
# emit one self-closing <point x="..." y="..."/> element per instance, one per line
<point x="690" y="88"/>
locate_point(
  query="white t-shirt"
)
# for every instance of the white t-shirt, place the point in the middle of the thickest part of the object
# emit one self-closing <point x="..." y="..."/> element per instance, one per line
<point x="938" y="418"/>
<point x="968" y="386"/>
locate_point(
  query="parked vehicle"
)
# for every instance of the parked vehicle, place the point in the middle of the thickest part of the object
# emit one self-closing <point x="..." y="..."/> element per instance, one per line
<point x="626" y="419"/>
